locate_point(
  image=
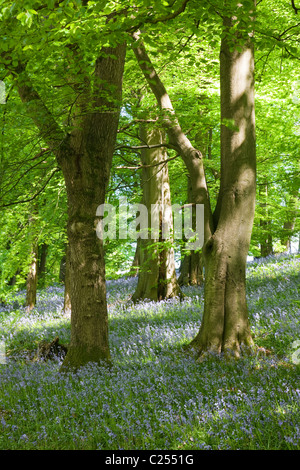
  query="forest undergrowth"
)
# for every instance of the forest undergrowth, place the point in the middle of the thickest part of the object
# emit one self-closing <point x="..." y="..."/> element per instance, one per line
<point x="156" y="395"/>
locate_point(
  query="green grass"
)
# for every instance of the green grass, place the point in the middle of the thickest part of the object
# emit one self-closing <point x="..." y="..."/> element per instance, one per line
<point x="156" y="396"/>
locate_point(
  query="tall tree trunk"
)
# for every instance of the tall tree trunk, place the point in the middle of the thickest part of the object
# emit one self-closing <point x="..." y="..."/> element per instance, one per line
<point x="266" y="242"/>
<point x="32" y="278"/>
<point x="43" y="249"/>
<point x="225" y="325"/>
<point x="157" y="275"/>
<point x="134" y="269"/>
<point x="288" y="228"/>
<point x="83" y="150"/>
<point x="86" y="168"/>
<point x="191" y="271"/>
<point x="292" y="211"/>
<point x="64" y="277"/>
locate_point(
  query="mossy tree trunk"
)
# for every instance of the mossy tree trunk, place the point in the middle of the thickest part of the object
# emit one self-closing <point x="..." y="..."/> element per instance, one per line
<point x="84" y="155"/>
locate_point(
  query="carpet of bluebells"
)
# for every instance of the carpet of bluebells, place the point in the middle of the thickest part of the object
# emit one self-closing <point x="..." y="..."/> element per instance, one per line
<point x="156" y="396"/>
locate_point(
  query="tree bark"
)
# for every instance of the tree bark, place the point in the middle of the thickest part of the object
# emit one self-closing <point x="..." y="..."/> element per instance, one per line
<point x="266" y="242"/>
<point x="65" y="278"/>
<point x="157" y="275"/>
<point x="42" y="264"/>
<point x="225" y="325"/>
<point x="32" y="278"/>
<point x="136" y="263"/>
<point x="191" y="270"/>
<point x="84" y="155"/>
<point x="86" y="167"/>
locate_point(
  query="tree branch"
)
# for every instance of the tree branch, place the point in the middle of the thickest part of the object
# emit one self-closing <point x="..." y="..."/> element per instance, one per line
<point x="146" y="166"/>
<point x="35" y="195"/>
<point x="37" y="110"/>
<point x="179" y="141"/>
<point x="294" y="7"/>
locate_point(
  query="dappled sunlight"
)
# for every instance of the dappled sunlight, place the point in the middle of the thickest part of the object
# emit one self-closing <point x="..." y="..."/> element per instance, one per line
<point x="155" y="395"/>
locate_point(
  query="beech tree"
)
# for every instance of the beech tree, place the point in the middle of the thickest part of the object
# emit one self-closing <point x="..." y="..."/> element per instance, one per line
<point x="157" y="275"/>
<point x="225" y="326"/>
<point x="83" y="146"/>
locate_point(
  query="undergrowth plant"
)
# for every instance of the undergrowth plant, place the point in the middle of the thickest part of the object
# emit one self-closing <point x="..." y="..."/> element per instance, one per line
<point x="156" y="395"/>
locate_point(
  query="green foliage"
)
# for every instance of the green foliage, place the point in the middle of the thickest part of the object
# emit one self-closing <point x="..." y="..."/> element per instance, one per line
<point x="155" y="396"/>
<point x="59" y="43"/>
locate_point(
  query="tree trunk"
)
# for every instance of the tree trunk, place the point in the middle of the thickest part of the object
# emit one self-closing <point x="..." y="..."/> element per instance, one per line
<point x="225" y="325"/>
<point x="32" y="279"/>
<point x="134" y="270"/>
<point x="157" y="275"/>
<point x="67" y="282"/>
<point x="191" y="271"/>
<point x="42" y="264"/>
<point x="83" y="150"/>
<point x="266" y="242"/>
<point x="288" y="228"/>
<point x="86" y="167"/>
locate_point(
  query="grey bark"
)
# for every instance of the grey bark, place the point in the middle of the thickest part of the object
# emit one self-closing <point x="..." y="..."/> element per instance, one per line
<point x="157" y="276"/>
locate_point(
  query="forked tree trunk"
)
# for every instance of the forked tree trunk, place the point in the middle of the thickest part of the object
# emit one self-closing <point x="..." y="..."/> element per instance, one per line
<point x="86" y="167"/>
<point x="84" y="152"/>
<point x="225" y="325"/>
<point x="157" y="275"/>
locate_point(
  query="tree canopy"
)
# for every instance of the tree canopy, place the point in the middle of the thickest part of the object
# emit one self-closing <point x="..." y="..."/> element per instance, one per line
<point x="55" y="62"/>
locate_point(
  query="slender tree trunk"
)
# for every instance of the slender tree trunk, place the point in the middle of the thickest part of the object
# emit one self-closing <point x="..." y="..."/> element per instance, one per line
<point x="84" y="153"/>
<point x="32" y="278"/>
<point x="43" y="249"/>
<point x="225" y="325"/>
<point x="136" y="261"/>
<point x="191" y="271"/>
<point x="266" y="242"/>
<point x="292" y="211"/>
<point x="157" y="275"/>
<point x="191" y="156"/>
<point x="288" y="228"/>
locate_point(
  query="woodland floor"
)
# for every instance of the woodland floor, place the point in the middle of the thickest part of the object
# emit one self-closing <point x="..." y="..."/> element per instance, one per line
<point x="156" y="396"/>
